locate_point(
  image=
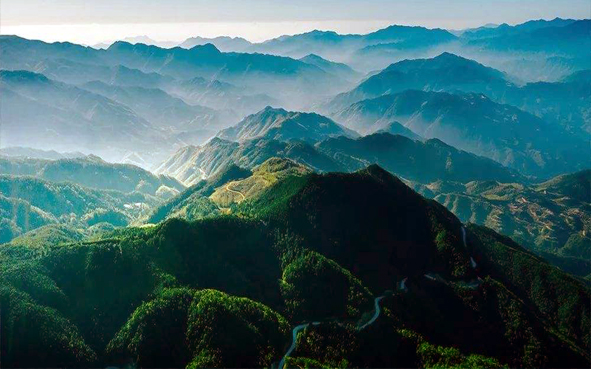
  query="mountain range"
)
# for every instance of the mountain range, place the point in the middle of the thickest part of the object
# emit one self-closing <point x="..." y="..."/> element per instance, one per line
<point x="472" y="122"/>
<point x="550" y="218"/>
<point x="282" y="125"/>
<point x="409" y="197"/>
<point x="223" y="43"/>
<point x="254" y="276"/>
<point x="257" y="71"/>
<point x="446" y="72"/>
<point x="398" y="154"/>
<point x="564" y="102"/>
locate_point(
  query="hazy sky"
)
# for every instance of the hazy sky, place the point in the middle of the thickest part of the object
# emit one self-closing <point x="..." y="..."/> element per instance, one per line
<point x="95" y="21"/>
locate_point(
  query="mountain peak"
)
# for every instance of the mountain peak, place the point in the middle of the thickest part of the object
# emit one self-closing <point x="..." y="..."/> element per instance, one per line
<point x="377" y="171"/>
<point x="313" y="56"/>
<point x="283" y="125"/>
<point x="318" y="32"/>
<point x="120" y="45"/>
<point x="269" y="109"/>
<point x="449" y="56"/>
<point x="207" y="48"/>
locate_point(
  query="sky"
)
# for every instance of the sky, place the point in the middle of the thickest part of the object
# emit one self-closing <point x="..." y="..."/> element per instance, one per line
<point x="90" y="21"/>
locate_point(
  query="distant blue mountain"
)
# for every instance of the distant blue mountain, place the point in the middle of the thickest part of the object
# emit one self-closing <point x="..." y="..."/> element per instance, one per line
<point x="223" y="43"/>
<point x="474" y="123"/>
<point x="258" y="73"/>
<point x="505" y="29"/>
<point x="444" y="72"/>
<point x="341" y="70"/>
<point x="325" y="43"/>
<point x="567" y="36"/>
<point x="279" y="124"/>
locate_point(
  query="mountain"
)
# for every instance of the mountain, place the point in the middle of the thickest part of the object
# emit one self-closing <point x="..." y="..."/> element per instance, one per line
<point x="447" y="72"/>
<point x="149" y="41"/>
<point x="574" y="186"/>
<point x="397" y="33"/>
<point x="162" y="109"/>
<point x="28" y="203"/>
<point x="533" y="51"/>
<point x="193" y="163"/>
<point x="260" y="73"/>
<point x="227" y="291"/>
<point x="538" y="216"/>
<point x="96" y="173"/>
<point x="316" y="42"/>
<point x="474" y="123"/>
<point x="396" y="153"/>
<point x="414" y="160"/>
<point x="223" y="43"/>
<point x="568" y="34"/>
<point x="17" y="216"/>
<point x="454" y="231"/>
<point x="92" y="172"/>
<point x="227" y="186"/>
<point x="219" y="95"/>
<point x="338" y="69"/>
<point x="291" y="203"/>
<point x="332" y="45"/>
<point x="194" y="202"/>
<point x="395" y="128"/>
<point x="397" y="43"/>
<point x="21" y="53"/>
<point x="72" y="72"/>
<point x="563" y="102"/>
<point x="282" y="125"/>
<point x="262" y="177"/>
<point x="72" y="118"/>
<point x="204" y="61"/>
<point x="146" y="40"/>
<point x="505" y="29"/>
<point x="582" y="76"/>
<point x="85" y="194"/>
<point x="29" y="152"/>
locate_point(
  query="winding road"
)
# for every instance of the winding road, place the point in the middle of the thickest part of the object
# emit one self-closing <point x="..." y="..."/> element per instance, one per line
<point x="295" y="332"/>
<point x="233" y="191"/>
<point x="464" y="237"/>
<point x="473" y="284"/>
<point x="376" y="314"/>
<point x="297" y="329"/>
<point x="472" y="261"/>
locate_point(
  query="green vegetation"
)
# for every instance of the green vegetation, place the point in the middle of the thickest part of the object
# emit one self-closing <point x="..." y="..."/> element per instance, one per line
<point x="228" y="331"/>
<point x="434" y="357"/>
<point x="262" y="177"/>
<point x="562" y="300"/>
<point x="575" y="186"/>
<point x="225" y="291"/>
<point x="90" y="171"/>
<point x="18" y="216"/>
<point x="286" y="238"/>
<point x="312" y="275"/>
<point x="204" y="328"/>
<point x="193" y="203"/>
<point x="578" y="246"/>
<point x="28" y="203"/>
<point x="384" y="232"/>
<point x="48" y="236"/>
<point x="551" y="219"/>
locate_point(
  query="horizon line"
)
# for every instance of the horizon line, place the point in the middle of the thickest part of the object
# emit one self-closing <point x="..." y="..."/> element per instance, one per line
<point x="245" y="37"/>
